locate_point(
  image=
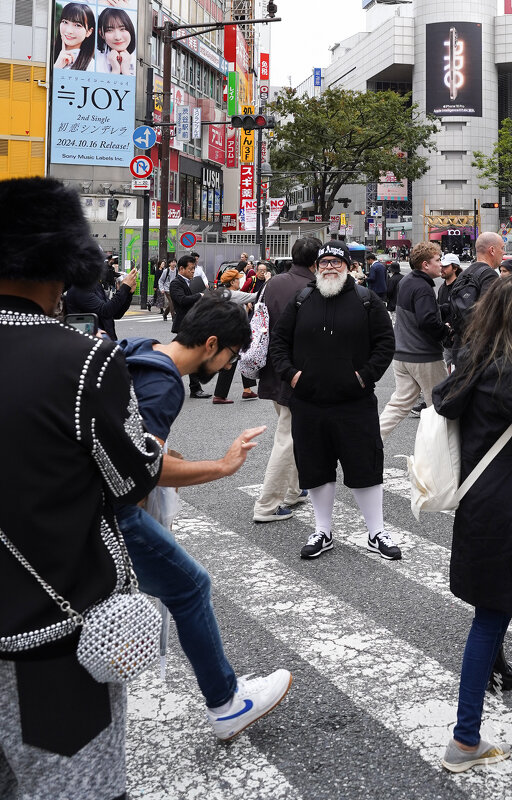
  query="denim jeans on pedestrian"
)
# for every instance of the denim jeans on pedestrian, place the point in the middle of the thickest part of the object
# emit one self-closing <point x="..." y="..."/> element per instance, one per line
<point x="165" y="570"/>
<point x="484" y="640"/>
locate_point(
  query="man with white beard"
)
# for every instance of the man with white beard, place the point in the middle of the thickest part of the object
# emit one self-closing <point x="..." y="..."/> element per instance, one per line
<point x="332" y="344"/>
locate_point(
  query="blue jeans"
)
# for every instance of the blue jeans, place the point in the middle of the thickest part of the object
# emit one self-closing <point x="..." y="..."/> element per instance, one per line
<point x="165" y="570"/>
<point x="484" y="640"/>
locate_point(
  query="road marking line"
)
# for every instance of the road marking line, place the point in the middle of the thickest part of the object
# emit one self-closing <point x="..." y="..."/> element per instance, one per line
<point x="426" y="563"/>
<point x="346" y="646"/>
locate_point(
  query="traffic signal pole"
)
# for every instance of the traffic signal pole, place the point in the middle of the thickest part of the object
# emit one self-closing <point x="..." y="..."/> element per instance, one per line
<point x="144" y="252"/>
<point x="169" y="28"/>
<point x="259" y="145"/>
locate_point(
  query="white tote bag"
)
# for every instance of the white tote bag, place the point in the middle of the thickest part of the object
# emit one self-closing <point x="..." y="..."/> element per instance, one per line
<point x="434" y="469"/>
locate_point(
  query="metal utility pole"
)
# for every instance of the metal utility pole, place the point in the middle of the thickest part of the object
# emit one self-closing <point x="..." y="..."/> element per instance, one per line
<point x="165" y="144"/>
<point x="144" y="253"/>
<point x="475" y="217"/>
<point x="259" y="141"/>
<point x="384" y="212"/>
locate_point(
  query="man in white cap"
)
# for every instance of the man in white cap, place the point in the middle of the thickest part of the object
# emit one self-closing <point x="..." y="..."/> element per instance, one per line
<point x="450" y="270"/>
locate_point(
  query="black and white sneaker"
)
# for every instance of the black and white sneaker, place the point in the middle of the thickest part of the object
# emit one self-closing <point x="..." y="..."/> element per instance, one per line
<point x="316" y="544"/>
<point x="383" y="544"/>
<point x="416" y="410"/>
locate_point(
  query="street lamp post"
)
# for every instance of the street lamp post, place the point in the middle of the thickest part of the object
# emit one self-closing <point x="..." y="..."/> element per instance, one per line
<point x="265" y="175"/>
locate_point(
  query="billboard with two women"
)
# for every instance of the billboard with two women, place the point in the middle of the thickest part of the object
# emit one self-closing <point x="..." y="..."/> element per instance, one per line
<point x="94" y="54"/>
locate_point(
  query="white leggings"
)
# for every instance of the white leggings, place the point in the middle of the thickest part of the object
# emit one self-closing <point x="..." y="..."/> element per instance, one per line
<point x="368" y="499"/>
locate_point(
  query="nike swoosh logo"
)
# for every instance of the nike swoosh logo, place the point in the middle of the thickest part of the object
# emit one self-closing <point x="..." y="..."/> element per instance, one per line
<point x="247" y="707"/>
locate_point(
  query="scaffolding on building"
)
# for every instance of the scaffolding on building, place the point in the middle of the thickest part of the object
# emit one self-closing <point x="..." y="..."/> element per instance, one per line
<point x="240" y="10"/>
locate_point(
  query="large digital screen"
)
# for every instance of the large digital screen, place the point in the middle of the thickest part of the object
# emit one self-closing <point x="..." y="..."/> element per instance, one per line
<point x="94" y="52"/>
<point x="454" y="69"/>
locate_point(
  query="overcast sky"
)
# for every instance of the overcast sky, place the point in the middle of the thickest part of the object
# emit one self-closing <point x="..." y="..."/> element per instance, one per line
<point x="300" y="42"/>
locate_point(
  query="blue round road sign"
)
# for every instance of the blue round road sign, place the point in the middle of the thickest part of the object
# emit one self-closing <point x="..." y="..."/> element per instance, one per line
<point x="188" y="239"/>
<point x="144" y="137"/>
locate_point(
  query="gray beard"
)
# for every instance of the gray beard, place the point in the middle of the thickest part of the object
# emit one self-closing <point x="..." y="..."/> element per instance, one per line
<point x="331" y="286"/>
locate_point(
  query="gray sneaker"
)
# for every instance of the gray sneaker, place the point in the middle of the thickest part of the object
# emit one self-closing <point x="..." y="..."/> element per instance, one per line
<point x="457" y="760"/>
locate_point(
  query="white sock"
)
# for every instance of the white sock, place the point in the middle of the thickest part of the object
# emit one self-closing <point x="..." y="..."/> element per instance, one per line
<point x="322" y="498"/>
<point x="369" y="501"/>
<point x="223" y="708"/>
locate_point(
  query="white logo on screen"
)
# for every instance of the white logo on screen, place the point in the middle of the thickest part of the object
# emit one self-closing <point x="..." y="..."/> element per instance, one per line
<point x="454" y="64"/>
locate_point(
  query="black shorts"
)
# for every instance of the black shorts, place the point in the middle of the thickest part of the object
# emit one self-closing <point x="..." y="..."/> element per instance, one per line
<point x="347" y="432"/>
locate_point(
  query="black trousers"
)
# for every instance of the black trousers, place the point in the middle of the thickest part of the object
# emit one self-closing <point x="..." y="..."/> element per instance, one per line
<point x="225" y="379"/>
<point x="347" y="432"/>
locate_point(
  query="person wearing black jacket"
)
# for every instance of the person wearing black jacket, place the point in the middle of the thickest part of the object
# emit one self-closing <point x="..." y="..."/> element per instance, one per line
<point x="450" y="271"/>
<point x="479" y="394"/>
<point x="331" y="349"/>
<point x="93" y="300"/>
<point x="418" y="361"/>
<point x="392" y="285"/>
<point x="80" y="447"/>
<point x="183" y="299"/>
<point x="489" y="250"/>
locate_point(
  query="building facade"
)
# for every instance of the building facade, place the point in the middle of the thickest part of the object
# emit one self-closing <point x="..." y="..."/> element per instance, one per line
<point x="455" y="57"/>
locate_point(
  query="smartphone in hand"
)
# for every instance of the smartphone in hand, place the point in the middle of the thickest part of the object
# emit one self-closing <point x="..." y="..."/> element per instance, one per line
<point x="87" y="323"/>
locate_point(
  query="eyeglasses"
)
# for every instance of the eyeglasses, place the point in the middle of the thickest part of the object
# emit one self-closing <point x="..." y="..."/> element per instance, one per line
<point x="325" y="263"/>
<point x="234" y="357"/>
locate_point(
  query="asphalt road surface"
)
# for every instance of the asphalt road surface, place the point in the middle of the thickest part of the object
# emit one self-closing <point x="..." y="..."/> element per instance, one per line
<point x="374" y="646"/>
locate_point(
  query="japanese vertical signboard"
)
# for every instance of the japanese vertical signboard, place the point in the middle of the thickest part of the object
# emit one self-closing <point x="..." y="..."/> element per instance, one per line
<point x="196" y="123"/>
<point x="232" y="94"/>
<point x="247" y="140"/>
<point x="183" y="123"/>
<point x="246" y="183"/>
<point x="317" y="76"/>
<point x="232" y="148"/>
<point x="94" y="57"/>
<point x="264" y="66"/>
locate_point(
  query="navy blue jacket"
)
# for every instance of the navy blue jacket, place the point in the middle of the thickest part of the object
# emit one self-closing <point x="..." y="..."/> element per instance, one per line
<point x="377" y="278"/>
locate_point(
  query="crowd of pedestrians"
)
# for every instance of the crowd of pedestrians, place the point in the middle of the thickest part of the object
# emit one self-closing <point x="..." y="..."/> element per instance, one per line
<point x="94" y="444"/>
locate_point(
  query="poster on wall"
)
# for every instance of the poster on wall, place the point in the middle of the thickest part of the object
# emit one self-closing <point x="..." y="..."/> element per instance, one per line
<point x="454" y="69"/>
<point x="94" y="52"/>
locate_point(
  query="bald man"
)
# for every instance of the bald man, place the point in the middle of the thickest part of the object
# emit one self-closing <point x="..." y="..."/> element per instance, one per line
<point x="489" y="255"/>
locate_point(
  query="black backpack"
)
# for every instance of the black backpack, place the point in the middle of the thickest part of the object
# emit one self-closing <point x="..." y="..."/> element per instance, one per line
<point x="466" y="291"/>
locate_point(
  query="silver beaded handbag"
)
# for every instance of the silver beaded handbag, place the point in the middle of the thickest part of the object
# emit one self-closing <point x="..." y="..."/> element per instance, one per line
<point x="120" y="635"/>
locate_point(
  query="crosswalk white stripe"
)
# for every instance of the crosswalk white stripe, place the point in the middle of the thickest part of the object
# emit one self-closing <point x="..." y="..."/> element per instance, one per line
<point x="346" y="647"/>
<point x="139" y="319"/>
<point x="172" y="751"/>
<point x="424" y="562"/>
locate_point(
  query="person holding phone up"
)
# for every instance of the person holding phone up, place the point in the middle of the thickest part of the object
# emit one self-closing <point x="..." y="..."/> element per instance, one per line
<point x="94" y="300"/>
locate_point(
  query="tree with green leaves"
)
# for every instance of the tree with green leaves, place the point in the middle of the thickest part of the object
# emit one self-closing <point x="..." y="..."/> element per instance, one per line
<point x="496" y="169"/>
<point x="346" y="137"/>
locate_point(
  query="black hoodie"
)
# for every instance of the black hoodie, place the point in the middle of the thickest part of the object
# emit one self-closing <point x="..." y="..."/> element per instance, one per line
<point x="329" y="339"/>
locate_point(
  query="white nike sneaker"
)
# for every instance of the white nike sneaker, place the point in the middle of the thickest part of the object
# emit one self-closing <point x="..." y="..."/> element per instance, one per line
<point x="253" y="698"/>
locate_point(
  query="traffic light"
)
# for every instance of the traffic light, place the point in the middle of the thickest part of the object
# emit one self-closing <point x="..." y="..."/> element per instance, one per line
<point x="490" y="205"/>
<point x="345" y="200"/>
<point x="359" y="213"/>
<point x="112" y="211"/>
<point x="271" y="9"/>
<point x="251" y="122"/>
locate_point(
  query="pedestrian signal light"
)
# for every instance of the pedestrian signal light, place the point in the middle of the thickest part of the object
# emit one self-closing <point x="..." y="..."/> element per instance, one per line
<point x="490" y="205"/>
<point x="112" y="211"/>
<point x="251" y="122"/>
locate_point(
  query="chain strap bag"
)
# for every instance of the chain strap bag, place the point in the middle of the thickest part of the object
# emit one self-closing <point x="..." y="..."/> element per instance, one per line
<point x="120" y="635"/>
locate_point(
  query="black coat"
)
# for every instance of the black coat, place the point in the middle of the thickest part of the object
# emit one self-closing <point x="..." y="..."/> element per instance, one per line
<point x="95" y="301"/>
<point x="481" y="562"/>
<point x="329" y="339"/>
<point x="72" y="444"/>
<point x="278" y="293"/>
<point x="183" y="300"/>
<point x="392" y="290"/>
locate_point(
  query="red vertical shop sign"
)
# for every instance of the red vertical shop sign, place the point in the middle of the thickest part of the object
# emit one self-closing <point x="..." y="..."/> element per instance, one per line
<point x="265" y="66"/>
<point x="508" y="6"/>
<point x="217" y="144"/>
<point x="231" y="149"/>
<point x="246" y="182"/>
